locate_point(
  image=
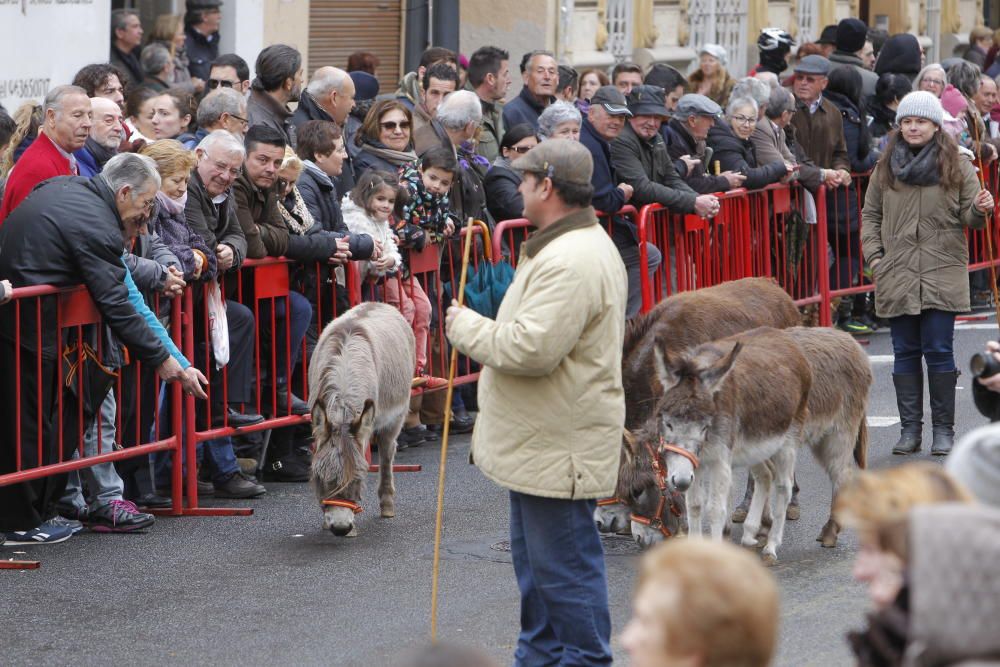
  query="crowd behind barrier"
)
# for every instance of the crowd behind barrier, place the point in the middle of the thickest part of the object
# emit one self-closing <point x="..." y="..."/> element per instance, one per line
<point x="767" y="232"/>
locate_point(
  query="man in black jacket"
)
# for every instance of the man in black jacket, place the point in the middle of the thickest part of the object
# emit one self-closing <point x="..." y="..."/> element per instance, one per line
<point x="211" y="211"/>
<point x="126" y="38"/>
<point x="67" y="231"/>
<point x="329" y="96"/>
<point x="201" y="31"/>
<point x="685" y="138"/>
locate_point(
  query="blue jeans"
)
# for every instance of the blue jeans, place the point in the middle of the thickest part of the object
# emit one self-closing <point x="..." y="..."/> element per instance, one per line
<point x="219" y="453"/>
<point x="559" y="564"/>
<point x="929" y="335"/>
<point x="103" y="482"/>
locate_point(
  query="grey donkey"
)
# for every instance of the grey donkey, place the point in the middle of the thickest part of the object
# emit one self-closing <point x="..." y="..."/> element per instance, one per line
<point x="359" y="393"/>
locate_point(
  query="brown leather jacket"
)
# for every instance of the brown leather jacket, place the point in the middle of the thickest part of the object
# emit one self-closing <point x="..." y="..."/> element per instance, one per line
<point x="821" y="135"/>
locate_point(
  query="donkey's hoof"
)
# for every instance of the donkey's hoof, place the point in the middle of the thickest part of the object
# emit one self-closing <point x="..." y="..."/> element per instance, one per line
<point x="769" y="560"/>
<point x="739" y="514"/>
<point x="388" y="513"/>
<point x="793" y="513"/>
<point x="828" y="536"/>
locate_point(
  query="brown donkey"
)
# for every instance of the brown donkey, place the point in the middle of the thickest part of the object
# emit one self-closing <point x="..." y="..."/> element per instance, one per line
<point x="682" y="321"/>
<point x="738" y="401"/>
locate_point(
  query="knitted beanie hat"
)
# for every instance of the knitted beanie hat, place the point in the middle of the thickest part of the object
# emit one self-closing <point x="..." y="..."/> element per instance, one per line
<point x="920" y="104"/>
<point x="975" y="463"/>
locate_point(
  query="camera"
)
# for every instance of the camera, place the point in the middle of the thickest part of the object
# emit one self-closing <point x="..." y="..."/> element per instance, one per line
<point x="984" y="365"/>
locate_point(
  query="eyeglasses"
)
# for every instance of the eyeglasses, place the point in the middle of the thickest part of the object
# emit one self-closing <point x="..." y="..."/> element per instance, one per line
<point x="933" y="82"/>
<point x="743" y="120"/>
<point x="223" y="167"/>
<point x="215" y="83"/>
<point x="521" y="149"/>
<point x="391" y="125"/>
<point x="245" y="121"/>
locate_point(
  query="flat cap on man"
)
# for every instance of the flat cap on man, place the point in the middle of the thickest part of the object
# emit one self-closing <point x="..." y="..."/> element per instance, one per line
<point x="559" y="159"/>
<point x="813" y="64"/>
<point x="694" y="104"/>
<point x="203" y="5"/>
<point x="612" y="100"/>
<point x="647" y="101"/>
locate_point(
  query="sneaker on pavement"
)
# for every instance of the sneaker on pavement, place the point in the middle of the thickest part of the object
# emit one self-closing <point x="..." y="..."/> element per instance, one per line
<point x="854" y="326"/>
<point x="75" y="524"/>
<point x="47" y="533"/>
<point x="238" y="486"/>
<point x="119" y="516"/>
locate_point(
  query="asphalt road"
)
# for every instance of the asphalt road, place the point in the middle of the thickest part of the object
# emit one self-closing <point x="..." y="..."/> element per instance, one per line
<point x="275" y="588"/>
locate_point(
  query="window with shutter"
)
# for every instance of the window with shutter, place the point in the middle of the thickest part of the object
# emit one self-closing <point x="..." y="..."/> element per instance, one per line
<point x="338" y="28"/>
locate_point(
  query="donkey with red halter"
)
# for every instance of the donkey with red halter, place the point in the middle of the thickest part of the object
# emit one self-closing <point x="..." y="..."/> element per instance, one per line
<point x="359" y="392"/>
<point x="680" y="321"/>
<point x="753" y="398"/>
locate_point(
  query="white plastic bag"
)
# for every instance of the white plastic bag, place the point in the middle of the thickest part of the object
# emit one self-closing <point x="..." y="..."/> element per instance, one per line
<point x="218" y="325"/>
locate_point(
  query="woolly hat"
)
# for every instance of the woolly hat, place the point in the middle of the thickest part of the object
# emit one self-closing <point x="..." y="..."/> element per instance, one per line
<point x="953" y="101"/>
<point x="851" y="35"/>
<point x="975" y="463"/>
<point x="716" y="51"/>
<point x="921" y="104"/>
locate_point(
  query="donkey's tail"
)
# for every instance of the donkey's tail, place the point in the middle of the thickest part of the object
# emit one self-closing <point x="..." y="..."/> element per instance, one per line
<point x="861" y="444"/>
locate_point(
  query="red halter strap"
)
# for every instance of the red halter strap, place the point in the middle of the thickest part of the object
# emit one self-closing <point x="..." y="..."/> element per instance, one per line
<point x="674" y="449"/>
<point x="340" y="502"/>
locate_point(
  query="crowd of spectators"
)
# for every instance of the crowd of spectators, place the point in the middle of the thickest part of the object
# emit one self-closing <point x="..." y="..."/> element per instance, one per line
<point x="171" y="164"/>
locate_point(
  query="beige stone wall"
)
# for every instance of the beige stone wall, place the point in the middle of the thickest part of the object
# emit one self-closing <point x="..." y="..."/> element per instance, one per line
<point x="287" y="22"/>
<point x="518" y="26"/>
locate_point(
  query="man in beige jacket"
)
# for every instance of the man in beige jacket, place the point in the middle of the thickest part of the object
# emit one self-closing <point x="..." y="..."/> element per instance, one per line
<point x="552" y="406"/>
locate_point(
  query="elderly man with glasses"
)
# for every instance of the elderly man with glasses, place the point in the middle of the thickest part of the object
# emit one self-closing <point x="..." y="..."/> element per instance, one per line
<point x="222" y="109"/>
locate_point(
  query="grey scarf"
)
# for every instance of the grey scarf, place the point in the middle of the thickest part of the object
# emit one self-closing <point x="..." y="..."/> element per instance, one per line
<point x="915" y="169"/>
<point x="395" y="158"/>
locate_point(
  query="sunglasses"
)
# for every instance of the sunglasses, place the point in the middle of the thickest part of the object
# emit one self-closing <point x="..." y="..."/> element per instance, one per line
<point x="215" y="83"/>
<point x="520" y="149"/>
<point x="392" y="125"/>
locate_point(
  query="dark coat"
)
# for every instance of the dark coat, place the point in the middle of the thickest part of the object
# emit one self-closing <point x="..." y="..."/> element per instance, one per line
<point x="262" y="109"/>
<point x="523" y="109"/>
<point x="215" y="224"/>
<point x="647" y="167"/>
<point x="76" y="221"/>
<point x="680" y="142"/>
<point x="608" y="197"/>
<point x="308" y="110"/>
<point x="128" y="63"/>
<point x="842" y="203"/>
<point x="321" y="198"/>
<point x="821" y="134"/>
<point x="266" y="232"/>
<point x="868" y="77"/>
<point x="502" y="196"/>
<point x="201" y="51"/>
<point x="739" y="155"/>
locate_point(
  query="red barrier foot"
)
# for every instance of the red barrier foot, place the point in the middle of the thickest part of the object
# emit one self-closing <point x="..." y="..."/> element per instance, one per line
<point x="972" y="318"/>
<point x="410" y="467"/>
<point x="20" y="564"/>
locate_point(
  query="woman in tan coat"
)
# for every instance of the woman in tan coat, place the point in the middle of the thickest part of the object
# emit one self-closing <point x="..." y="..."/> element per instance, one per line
<point x="922" y="196"/>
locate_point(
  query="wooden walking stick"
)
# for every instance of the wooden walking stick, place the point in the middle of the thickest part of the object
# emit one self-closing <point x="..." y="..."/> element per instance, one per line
<point x="452" y="370"/>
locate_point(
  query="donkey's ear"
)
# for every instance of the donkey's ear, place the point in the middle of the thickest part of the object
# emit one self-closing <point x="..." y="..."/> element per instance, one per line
<point x="629" y="444"/>
<point x="666" y="365"/>
<point x="366" y="423"/>
<point x="713" y="376"/>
